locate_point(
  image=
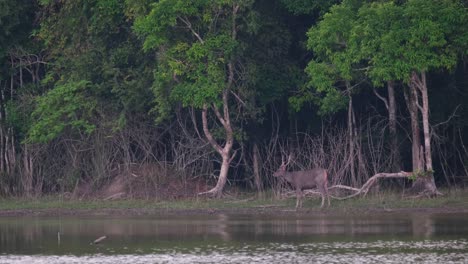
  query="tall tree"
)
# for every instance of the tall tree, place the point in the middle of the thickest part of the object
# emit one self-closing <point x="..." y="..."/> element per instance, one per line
<point x="367" y="43"/>
<point x="96" y="79"/>
<point x="406" y="42"/>
<point x="20" y="64"/>
<point x="98" y="72"/>
<point x="391" y="42"/>
<point x="198" y="48"/>
<point x="333" y="73"/>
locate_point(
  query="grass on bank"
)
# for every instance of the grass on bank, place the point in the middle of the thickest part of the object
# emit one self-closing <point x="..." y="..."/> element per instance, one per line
<point x="452" y="198"/>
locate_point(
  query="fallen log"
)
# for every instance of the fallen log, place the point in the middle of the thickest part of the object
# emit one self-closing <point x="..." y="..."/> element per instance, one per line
<point x="372" y="180"/>
<point x="364" y="189"/>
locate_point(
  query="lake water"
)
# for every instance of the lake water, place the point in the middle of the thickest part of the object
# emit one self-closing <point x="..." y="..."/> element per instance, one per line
<point x="237" y="238"/>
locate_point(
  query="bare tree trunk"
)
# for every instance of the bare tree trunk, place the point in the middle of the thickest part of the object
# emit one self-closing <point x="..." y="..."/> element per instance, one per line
<point x="352" y="143"/>
<point x="225" y="151"/>
<point x="419" y="83"/>
<point x="256" y="168"/>
<point x="2" y="132"/>
<point x="224" y="118"/>
<point x="27" y="172"/>
<point x="422" y="86"/>
<point x="395" y="153"/>
<point x="411" y="101"/>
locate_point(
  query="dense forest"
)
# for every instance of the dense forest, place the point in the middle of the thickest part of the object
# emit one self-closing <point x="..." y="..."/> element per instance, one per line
<point x="172" y="98"/>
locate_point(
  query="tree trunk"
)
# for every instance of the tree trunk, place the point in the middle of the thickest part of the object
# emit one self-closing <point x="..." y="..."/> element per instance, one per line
<point x="352" y="140"/>
<point x="27" y="172"/>
<point x="411" y="101"/>
<point x="224" y="118"/>
<point x="425" y="183"/>
<point x="225" y="151"/>
<point x="394" y="152"/>
<point x="217" y="191"/>
<point x="425" y="118"/>
<point x="256" y="169"/>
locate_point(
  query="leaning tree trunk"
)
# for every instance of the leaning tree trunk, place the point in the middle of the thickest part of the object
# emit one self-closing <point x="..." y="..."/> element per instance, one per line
<point x="225" y="151"/>
<point x="223" y="117"/>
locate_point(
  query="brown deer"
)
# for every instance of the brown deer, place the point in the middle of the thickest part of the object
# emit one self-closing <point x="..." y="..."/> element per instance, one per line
<point x="308" y="179"/>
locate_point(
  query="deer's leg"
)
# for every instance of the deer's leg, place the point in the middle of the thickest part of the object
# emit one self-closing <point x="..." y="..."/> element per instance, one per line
<point x="298" y="198"/>
<point x="324" y="193"/>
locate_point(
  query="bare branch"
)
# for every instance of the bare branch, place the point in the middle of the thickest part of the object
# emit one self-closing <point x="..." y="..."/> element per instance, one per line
<point x="189" y="26"/>
<point x="448" y="120"/>
<point x="218" y="115"/>
<point x="381" y="98"/>
<point x="207" y="132"/>
<point x="238" y="98"/>
<point x="226" y="106"/>
<point x="233" y="156"/>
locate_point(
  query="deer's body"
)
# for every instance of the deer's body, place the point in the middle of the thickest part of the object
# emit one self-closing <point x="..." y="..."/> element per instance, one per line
<point x="303" y="180"/>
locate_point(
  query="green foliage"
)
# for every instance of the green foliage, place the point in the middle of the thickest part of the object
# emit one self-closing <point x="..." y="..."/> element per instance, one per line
<point x="326" y="95"/>
<point x="16" y="23"/>
<point x="92" y="40"/>
<point x="14" y="18"/>
<point x="334" y="60"/>
<point x="271" y="69"/>
<point x="418" y="35"/>
<point x="194" y="40"/>
<point x="308" y="6"/>
<point x="418" y="174"/>
<point x="69" y="105"/>
<point x="19" y="116"/>
<point x="136" y="8"/>
<point x="389" y="41"/>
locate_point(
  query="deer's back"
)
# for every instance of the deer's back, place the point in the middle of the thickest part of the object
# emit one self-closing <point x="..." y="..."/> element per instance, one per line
<point x="308" y="178"/>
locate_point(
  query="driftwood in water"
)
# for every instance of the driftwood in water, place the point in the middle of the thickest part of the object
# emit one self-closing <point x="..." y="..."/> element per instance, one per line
<point x="99" y="240"/>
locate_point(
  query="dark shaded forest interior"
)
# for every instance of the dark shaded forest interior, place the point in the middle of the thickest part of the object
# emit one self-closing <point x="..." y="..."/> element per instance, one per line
<point x="171" y="99"/>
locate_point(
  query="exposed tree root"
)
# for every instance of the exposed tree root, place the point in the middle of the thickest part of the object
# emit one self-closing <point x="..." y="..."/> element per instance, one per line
<point x="215" y="192"/>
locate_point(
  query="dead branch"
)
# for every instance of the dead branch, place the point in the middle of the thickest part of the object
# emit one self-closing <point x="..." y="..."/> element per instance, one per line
<point x="114" y="196"/>
<point x="372" y="180"/>
<point x="363" y="190"/>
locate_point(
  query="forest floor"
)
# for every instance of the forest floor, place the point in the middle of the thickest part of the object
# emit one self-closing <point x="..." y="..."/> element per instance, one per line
<point x="453" y="201"/>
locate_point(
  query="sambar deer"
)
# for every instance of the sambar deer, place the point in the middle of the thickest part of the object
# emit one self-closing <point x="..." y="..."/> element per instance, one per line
<point x="306" y="179"/>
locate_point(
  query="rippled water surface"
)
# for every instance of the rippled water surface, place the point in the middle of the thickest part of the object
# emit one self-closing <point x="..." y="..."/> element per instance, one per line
<point x="237" y="238"/>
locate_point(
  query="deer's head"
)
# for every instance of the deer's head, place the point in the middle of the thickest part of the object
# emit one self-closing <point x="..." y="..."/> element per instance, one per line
<point x="282" y="169"/>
